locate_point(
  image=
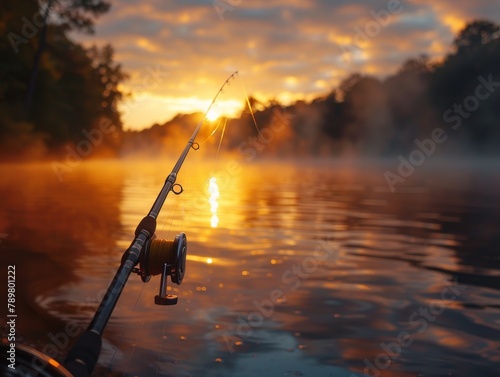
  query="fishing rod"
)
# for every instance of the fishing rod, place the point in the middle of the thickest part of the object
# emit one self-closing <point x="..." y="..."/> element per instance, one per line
<point x="152" y="256"/>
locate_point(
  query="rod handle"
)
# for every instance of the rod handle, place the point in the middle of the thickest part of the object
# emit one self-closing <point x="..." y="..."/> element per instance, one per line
<point x="83" y="356"/>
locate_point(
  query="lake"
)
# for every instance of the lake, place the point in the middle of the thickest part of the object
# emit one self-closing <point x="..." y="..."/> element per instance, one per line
<point x="311" y="268"/>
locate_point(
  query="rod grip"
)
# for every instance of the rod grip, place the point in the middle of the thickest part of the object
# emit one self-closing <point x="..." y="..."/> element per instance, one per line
<point x="83" y="357"/>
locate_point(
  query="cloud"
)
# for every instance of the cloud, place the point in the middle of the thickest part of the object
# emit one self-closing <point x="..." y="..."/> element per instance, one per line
<point x="291" y="49"/>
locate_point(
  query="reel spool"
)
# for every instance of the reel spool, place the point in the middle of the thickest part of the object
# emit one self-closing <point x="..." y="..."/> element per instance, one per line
<point x="164" y="257"/>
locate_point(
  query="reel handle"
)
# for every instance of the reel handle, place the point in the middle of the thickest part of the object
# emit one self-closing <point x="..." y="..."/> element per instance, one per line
<point x="163" y="298"/>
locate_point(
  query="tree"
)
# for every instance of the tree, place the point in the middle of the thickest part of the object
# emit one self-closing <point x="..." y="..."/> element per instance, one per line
<point x="76" y="87"/>
<point x="475" y="55"/>
<point x="71" y="14"/>
<point x="75" y="14"/>
<point x="348" y="83"/>
<point x="474" y="35"/>
<point x="108" y="75"/>
<point x="408" y="101"/>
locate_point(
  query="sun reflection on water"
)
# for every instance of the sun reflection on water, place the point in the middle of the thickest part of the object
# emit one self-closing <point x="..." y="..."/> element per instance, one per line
<point x="213" y="189"/>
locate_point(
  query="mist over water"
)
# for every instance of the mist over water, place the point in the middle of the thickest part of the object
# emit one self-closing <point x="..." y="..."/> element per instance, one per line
<point x="314" y="268"/>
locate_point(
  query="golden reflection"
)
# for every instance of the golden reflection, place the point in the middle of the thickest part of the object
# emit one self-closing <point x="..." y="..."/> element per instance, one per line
<point x="213" y="189"/>
<point x="200" y="259"/>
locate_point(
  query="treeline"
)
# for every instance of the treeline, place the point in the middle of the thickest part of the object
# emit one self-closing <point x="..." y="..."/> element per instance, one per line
<point x="74" y="102"/>
<point x="367" y="116"/>
<point x="53" y="89"/>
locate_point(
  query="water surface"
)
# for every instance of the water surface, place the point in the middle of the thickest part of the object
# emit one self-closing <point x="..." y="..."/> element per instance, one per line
<point x="313" y="269"/>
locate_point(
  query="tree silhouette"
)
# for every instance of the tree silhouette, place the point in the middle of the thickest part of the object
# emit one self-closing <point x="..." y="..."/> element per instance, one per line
<point x="76" y="87"/>
<point x="75" y="14"/>
<point x="71" y="14"/>
<point x="474" y="35"/>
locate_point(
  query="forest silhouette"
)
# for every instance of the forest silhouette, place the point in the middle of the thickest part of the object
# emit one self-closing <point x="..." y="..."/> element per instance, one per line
<point x="56" y="93"/>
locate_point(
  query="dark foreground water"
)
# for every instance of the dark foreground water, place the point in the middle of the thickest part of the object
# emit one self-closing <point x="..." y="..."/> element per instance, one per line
<point x="312" y="269"/>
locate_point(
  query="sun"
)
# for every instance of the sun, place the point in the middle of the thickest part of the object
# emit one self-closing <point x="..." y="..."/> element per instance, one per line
<point x="213" y="115"/>
<point x="222" y="108"/>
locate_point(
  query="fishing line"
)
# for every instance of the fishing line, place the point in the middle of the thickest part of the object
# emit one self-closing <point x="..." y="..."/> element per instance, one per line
<point x="221" y="138"/>
<point x="183" y="217"/>
<point x="214" y="131"/>
<point x="173" y="212"/>
<point x="137" y="255"/>
<point x="133" y="349"/>
<point x="157" y="249"/>
<point x="224" y="119"/>
<point x="134" y="345"/>
<point x="161" y="347"/>
<point x="127" y="320"/>
<point x="170" y="217"/>
<point x="250" y="107"/>
<point x="247" y="100"/>
<point x="193" y="144"/>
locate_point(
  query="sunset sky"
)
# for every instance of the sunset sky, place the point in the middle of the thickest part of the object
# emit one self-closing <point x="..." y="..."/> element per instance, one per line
<point x="178" y="53"/>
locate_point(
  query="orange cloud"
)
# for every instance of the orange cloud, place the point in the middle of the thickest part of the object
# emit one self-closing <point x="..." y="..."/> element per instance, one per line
<point x="283" y="49"/>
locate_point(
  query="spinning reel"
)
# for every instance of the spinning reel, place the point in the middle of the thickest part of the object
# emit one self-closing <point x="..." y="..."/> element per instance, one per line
<point x="167" y="258"/>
